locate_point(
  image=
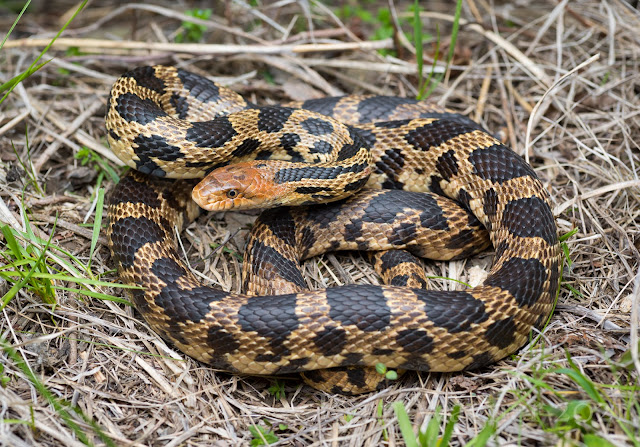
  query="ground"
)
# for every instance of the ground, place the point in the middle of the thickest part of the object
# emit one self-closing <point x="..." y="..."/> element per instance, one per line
<point x="557" y="81"/>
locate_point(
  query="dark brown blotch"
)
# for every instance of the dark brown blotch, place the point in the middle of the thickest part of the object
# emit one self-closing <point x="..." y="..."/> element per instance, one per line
<point x="362" y="306"/>
<point x="330" y="341"/>
<point x="530" y="217"/>
<point x="129" y="234"/>
<point x="415" y="341"/>
<point x="182" y="304"/>
<point x="272" y="317"/>
<point x="499" y="164"/>
<point x="211" y="134"/>
<point x="436" y="133"/>
<point x="146" y="77"/>
<point x="272" y="119"/>
<point x="524" y="279"/>
<point x="317" y="126"/>
<point x="247" y="147"/>
<point x="455" y="311"/>
<point x="132" y="108"/>
<point x="447" y="165"/>
<point x="501" y="333"/>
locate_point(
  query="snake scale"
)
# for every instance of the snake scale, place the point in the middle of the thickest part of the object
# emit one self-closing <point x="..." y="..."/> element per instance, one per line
<point x="169" y="123"/>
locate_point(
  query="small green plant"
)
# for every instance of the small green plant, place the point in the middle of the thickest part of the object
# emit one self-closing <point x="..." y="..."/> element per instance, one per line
<point x="381" y="369"/>
<point x="43" y="268"/>
<point x="277" y="389"/>
<point x="571" y="419"/>
<point x="87" y="156"/>
<point x="382" y="21"/>
<point x="567" y="259"/>
<point x="26" y="267"/>
<point x="262" y="436"/>
<point x="565" y="248"/>
<point x="575" y="414"/>
<point x="348" y="417"/>
<point x="4" y="380"/>
<point x="38" y="266"/>
<point x="384" y="29"/>
<point x="192" y="32"/>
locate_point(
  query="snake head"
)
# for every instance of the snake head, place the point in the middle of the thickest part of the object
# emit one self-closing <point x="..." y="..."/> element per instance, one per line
<point x="241" y="186"/>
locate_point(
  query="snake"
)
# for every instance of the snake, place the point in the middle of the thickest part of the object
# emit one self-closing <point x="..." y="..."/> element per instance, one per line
<point x="171" y="125"/>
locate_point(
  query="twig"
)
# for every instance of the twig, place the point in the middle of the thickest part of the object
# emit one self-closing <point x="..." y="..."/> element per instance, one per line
<point x="7" y="217"/>
<point x="533" y="120"/>
<point x="80" y="135"/>
<point x="592" y="315"/>
<point x="11" y="124"/>
<point x="597" y="192"/>
<point x="166" y="13"/>
<point x="297" y="67"/>
<point x="200" y="48"/>
<point x="61" y="223"/>
<point x="75" y="124"/>
<point x="384" y="67"/>
<point x="507" y="46"/>
<point x="484" y="90"/>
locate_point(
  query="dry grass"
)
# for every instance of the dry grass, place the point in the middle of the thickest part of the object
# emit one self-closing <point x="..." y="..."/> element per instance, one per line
<point x="514" y="71"/>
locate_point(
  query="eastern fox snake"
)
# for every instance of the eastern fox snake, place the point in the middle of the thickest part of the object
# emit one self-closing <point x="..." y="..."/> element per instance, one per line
<point x="166" y="122"/>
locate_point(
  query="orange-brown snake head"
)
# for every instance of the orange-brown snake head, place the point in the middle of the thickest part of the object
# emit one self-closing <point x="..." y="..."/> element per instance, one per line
<point x="241" y="186"/>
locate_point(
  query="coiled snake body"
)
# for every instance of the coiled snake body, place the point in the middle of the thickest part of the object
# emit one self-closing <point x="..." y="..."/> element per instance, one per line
<point x="166" y="122"/>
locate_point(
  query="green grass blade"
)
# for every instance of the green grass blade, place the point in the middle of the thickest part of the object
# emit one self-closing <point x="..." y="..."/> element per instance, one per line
<point x="12" y="244"/>
<point x="93" y="282"/>
<point x="427" y="82"/>
<point x="567" y="235"/>
<point x="483" y="437"/>
<point x="591" y="440"/>
<point x="17" y="286"/>
<point x="97" y="224"/>
<point x="405" y="424"/>
<point x="15" y="22"/>
<point x="417" y="36"/>
<point x="583" y="382"/>
<point x="454" y="32"/>
<point x="11" y="83"/>
<point x="454" y="36"/>
<point x="44" y="51"/>
<point x="448" y="429"/>
<point x="429" y="437"/>
<point x="100" y="296"/>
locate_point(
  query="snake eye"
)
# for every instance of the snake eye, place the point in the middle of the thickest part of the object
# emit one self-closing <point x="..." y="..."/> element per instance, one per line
<point x="232" y="193"/>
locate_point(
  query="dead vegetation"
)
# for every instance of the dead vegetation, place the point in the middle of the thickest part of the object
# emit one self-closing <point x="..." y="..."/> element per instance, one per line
<point x="558" y="81"/>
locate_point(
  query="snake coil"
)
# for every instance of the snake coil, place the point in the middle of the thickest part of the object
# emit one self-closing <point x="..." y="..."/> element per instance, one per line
<point x="167" y="122"/>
